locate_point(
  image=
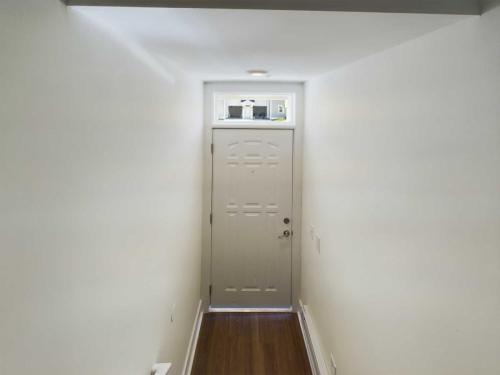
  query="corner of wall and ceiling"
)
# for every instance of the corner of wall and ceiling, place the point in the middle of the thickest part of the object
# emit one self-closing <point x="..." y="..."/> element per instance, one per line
<point x="466" y="7"/>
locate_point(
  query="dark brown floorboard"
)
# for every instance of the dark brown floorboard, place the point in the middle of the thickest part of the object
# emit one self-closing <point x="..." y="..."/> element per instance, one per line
<point x="251" y="344"/>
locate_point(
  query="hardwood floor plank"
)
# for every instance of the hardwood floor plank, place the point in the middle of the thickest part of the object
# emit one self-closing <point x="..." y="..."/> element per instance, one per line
<point x="251" y="344"/>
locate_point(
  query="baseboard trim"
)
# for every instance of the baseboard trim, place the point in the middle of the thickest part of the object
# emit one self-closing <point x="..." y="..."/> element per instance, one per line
<point x="193" y="341"/>
<point x="312" y="341"/>
<point x="249" y="310"/>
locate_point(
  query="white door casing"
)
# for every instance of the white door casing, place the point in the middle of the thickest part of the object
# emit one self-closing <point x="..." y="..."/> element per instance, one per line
<point x="251" y="198"/>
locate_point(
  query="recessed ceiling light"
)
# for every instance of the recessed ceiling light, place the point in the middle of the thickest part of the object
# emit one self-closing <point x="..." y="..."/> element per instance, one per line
<point x="257" y="72"/>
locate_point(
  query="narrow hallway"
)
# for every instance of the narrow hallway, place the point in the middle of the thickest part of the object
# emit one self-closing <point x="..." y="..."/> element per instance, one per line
<point x="194" y="187"/>
<point x="251" y="343"/>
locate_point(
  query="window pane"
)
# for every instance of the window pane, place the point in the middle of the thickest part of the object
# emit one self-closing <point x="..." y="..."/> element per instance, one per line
<point x="234" y="108"/>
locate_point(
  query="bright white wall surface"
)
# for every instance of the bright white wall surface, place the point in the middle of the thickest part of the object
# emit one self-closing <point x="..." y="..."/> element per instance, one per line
<point x="402" y="183"/>
<point x="100" y="199"/>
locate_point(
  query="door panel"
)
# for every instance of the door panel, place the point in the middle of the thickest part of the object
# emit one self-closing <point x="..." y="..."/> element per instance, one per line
<point x="251" y="197"/>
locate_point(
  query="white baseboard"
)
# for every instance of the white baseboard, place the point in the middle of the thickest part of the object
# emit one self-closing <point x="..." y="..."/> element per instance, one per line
<point x="193" y="341"/>
<point x="312" y="341"/>
<point x="249" y="310"/>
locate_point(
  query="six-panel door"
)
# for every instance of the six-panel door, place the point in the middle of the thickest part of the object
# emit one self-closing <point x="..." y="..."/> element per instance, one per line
<point x="252" y="211"/>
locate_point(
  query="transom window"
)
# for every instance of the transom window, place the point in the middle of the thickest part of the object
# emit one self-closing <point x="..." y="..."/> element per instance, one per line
<point x="253" y="108"/>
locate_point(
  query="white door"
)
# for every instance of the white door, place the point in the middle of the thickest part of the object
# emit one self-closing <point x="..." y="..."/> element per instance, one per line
<point x="251" y="222"/>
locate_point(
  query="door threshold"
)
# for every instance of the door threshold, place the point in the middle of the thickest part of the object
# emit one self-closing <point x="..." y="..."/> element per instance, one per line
<point x="250" y="309"/>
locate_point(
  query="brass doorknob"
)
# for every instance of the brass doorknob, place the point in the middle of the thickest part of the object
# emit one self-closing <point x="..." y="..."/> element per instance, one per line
<point x="285" y="234"/>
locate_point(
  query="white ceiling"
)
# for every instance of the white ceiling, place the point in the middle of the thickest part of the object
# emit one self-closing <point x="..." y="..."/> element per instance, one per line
<point x="220" y="44"/>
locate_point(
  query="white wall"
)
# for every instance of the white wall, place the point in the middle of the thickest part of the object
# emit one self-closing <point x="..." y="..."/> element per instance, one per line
<point x="402" y="183"/>
<point x="100" y="199"/>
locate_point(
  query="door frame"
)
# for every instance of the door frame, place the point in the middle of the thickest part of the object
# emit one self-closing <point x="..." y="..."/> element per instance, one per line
<point x="297" y="128"/>
<point x="292" y="226"/>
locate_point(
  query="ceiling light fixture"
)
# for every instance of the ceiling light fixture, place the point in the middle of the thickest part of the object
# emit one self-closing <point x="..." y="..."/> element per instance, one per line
<point x="257" y="72"/>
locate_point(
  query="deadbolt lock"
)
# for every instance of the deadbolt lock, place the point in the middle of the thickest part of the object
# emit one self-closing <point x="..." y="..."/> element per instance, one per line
<point x="286" y="220"/>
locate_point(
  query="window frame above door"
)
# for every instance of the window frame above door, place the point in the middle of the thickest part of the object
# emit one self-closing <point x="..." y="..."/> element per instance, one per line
<point x="289" y="123"/>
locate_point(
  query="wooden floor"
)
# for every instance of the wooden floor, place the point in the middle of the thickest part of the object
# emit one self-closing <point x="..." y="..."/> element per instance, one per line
<point x="251" y="344"/>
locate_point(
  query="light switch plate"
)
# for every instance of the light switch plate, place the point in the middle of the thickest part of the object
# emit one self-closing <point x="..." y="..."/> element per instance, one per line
<point x="311" y="232"/>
